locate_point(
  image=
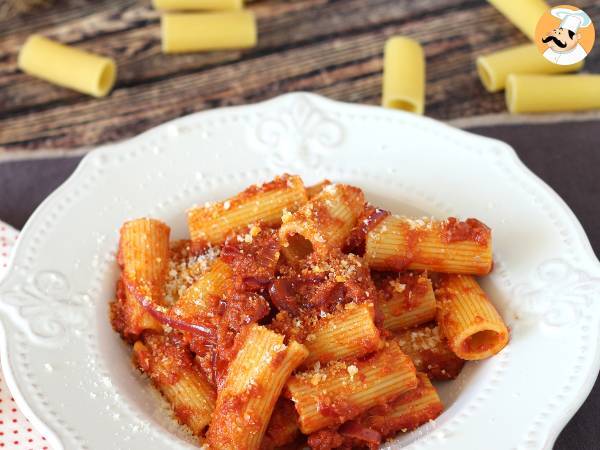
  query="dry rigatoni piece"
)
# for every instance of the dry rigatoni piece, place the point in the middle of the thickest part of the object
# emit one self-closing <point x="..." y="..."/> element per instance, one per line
<point x="253" y="384"/>
<point x="283" y="428"/>
<point x="170" y="366"/>
<point x="322" y="224"/>
<point x="342" y="391"/>
<point x="407" y="300"/>
<point x="144" y="260"/>
<point x="349" y="333"/>
<point x="467" y="318"/>
<point x="212" y="223"/>
<point x="430" y="353"/>
<point x="450" y="246"/>
<point x="409" y="411"/>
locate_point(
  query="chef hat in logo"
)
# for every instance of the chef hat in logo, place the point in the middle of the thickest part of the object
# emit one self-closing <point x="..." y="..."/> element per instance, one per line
<point x="571" y="20"/>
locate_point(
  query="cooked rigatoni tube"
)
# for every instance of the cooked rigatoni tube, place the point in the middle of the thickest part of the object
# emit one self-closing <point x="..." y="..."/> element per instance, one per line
<point x="313" y="190"/>
<point x="450" y="246"/>
<point x="191" y="5"/>
<point x="67" y="66"/>
<point x="494" y="68"/>
<point x="254" y="382"/>
<point x="193" y="32"/>
<point x="523" y="14"/>
<point x="407" y="301"/>
<point x="197" y="299"/>
<point x="212" y="223"/>
<point x="322" y="224"/>
<point x="467" y="318"/>
<point x="546" y="93"/>
<point x="329" y="396"/>
<point x="430" y="353"/>
<point x="409" y="411"/>
<point x="283" y="428"/>
<point x="169" y="365"/>
<point x="403" y="75"/>
<point x="350" y="333"/>
<point x="144" y="260"/>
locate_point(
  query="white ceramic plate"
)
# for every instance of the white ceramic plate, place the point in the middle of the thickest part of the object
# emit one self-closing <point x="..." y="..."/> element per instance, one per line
<point x="71" y="373"/>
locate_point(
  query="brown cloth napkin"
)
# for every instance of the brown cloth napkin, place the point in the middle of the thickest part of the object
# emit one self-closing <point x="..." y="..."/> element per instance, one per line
<point x="564" y="155"/>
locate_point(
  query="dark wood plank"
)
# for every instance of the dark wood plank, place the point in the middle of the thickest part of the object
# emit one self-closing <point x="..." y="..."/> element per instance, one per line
<point x="329" y="47"/>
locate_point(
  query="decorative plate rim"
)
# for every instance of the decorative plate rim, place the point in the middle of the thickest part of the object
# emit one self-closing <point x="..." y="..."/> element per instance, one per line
<point x="503" y="151"/>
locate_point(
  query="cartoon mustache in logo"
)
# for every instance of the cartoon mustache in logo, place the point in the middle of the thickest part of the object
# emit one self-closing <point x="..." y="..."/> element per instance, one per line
<point x="556" y="41"/>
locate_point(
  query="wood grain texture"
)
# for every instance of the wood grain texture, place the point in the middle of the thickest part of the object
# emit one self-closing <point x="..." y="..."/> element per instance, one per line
<point x="331" y="47"/>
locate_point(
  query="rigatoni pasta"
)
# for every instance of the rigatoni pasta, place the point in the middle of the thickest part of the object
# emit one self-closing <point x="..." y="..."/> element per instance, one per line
<point x="194" y="32"/>
<point x="406" y="301"/>
<point x="494" y="68"/>
<point x="323" y="223"/>
<point x="254" y="381"/>
<point x="467" y="318"/>
<point x="546" y="93"/>
<point x="171" y="369"/>
<point x="192" y="5"/>
<point x="341" y="391"/>
<point x="301" y="315"/>
<point x="212" y="223"/>
<point x="335" y="337"/>
<point x="143" y="257"/>
<point x="66" y="66"/>
<point x="452" y="246"/>
<point x="523" y="14"/>
<point x="403" y="75"/>
<point x="409" y="411"/>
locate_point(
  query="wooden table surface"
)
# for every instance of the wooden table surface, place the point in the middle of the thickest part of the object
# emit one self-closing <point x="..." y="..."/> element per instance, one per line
<point x="332" y="47"/>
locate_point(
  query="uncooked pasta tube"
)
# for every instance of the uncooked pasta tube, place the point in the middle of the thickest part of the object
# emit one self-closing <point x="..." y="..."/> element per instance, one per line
<point x="207" y="31"/>
<point x="67" y="66"/>
<point x="494" y="68"/>
<point x="523" y="14"/>
<point x="403" y="75"/>
<point x="544" y="93"/>
<point x="188" y="5"/>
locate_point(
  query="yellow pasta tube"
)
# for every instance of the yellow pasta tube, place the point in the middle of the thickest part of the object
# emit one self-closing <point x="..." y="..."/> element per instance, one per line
<point x="67" y="66"/>
<point x="523" y="14"/>
<point x="340" y="392"/>
<point x="346" y="334"/>
<point x="544" y="93"/>
<point x="494" y="68"/>
<point x="254" y="382"/>
<point x="429" y="352"/>
<point x="191" y="5"/>
<point x="403" y="75"/>
<point x="323" y="224"/>
<point x="193" y="32"/>
<point x="407" y="301"/>
<point x="450" y="245"/>
<point x="467" y="319"/>
<point x="409" y="411"/>
<point x="170" y="367"/>
<point x="212" y="223"/>
<point x="144" y="258"/>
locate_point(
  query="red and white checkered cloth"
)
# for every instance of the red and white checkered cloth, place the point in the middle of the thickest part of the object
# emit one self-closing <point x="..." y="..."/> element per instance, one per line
<point x="15" y="430"/>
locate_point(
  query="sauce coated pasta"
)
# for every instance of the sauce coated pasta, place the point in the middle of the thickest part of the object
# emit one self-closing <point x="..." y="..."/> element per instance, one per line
<point x="299" y="316"/>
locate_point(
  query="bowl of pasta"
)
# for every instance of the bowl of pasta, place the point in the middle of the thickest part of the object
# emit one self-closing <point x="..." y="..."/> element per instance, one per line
<point x="301" y="273"/>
